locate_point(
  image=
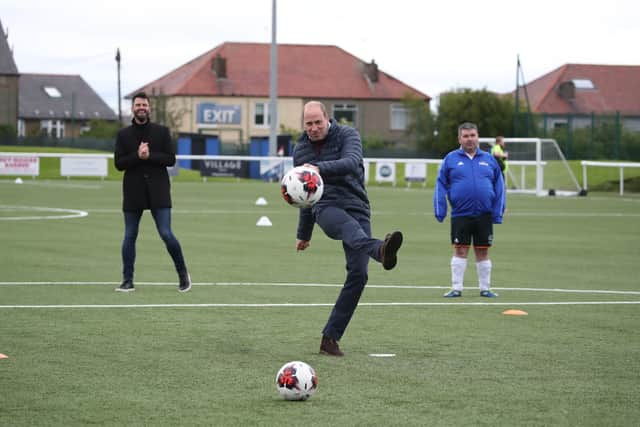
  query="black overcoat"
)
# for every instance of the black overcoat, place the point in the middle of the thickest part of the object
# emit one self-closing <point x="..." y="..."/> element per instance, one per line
<point x="145" y="184"/>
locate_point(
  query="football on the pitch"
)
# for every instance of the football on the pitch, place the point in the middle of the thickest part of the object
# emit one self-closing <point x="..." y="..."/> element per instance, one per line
<point x="302" y="187"/>
<point x="296" y="381"/>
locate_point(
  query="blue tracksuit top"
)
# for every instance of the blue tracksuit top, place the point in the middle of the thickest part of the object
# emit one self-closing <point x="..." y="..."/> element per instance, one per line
<point x="339" y="158"/>
<point x="473" y="186"/>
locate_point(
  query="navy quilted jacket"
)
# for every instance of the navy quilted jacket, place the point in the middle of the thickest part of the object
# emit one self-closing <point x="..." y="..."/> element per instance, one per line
<point x="339" y="159"/>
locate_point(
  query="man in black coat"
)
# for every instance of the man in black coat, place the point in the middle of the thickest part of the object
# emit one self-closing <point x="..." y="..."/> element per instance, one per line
<point x="343" y="212"/>
<point x="144" y="151"/>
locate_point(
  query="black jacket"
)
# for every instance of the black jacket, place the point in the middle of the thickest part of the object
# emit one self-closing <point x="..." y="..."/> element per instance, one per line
<point x="146" y="183"/>
<point x="341" y="167"/>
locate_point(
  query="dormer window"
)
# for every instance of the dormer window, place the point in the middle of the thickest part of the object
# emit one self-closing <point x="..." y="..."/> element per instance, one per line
<point x="52" y="91"/>
<point x="583" y="84"/>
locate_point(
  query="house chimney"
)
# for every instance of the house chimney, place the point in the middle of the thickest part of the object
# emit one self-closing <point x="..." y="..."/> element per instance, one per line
<point x="371" y="71"/>
<point x="567" y="90"/>
<point x="219" y="66"/>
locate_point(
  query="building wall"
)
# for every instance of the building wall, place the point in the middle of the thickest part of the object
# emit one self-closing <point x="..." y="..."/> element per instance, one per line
<point x="185" y="115"/>
<point x="373" y="119"/>
<point x="377" y="122"/>
<point x="72" y="129"/>
<point x="9" y="100"/>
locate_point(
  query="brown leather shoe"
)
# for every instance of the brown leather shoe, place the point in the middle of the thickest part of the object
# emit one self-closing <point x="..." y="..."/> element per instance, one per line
<point x="330" y="347"/>
<point x="389" y="249"/>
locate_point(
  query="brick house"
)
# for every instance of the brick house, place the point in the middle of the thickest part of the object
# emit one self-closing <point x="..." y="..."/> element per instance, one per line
<point x="58" y="105"/>
<point x="225" y="92"/>
<point x="572" y="93"/>
<point x="9" y="78"/>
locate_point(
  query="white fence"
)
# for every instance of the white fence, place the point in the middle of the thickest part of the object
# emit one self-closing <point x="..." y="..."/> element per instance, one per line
<point x="25" y="164"/>
<point x="620" y="165"/>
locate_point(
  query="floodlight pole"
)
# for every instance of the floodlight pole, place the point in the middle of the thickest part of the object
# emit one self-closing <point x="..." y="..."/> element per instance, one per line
<point x="273" y="86"/>
<point x="517" y="101"/>
<point x="119" y="99"/>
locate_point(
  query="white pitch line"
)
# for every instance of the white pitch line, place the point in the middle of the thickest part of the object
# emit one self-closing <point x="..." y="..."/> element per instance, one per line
<point x="71" y="213"/>
<point x="287" y="305"/>
<point x="320" y="285"/>
<point x="292" y="305"/>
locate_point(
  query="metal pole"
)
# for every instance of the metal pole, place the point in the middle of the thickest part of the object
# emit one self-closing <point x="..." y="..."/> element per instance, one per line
<point x="273" y="88"/>
<point x="517" y="100"/>
<point x="119" y="96"/>
<point x="73" y="116"/>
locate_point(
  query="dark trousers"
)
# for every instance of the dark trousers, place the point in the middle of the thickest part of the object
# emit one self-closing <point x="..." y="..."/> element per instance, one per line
<point x="353" y="228"/>
<point x="162" y="218"/>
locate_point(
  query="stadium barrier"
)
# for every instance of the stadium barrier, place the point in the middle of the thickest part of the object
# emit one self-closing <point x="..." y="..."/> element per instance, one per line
<point x="621" y="165"/>
<point x="272" y="168"/>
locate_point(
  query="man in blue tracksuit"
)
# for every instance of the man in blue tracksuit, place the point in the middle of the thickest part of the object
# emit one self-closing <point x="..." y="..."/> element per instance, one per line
<point x="472" y="181"/>
<point x="343" y="212"/>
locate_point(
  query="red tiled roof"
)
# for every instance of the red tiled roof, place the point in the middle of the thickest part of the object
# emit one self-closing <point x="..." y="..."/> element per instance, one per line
<point x="304" y="71"/>
<point x="616" y="89"/>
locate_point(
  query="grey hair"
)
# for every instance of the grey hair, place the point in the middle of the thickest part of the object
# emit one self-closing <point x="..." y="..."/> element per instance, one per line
<point x="466" y="126"/>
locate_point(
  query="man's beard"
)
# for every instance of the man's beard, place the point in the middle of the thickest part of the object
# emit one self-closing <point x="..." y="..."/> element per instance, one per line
<point x="142" y="116"/>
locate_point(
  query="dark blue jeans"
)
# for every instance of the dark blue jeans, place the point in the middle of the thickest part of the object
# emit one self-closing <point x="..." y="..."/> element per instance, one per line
<point x="162" y="218"/>
<point x="353" y="228"/>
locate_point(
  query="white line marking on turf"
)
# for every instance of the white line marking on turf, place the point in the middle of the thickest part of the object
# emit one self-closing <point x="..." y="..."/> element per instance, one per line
<point x="575" y="214"/>
<point x="291" y="305"/>
<point x="64" y="184"/>
<point x="71" y="213"/>
<point x="320" y="285"/>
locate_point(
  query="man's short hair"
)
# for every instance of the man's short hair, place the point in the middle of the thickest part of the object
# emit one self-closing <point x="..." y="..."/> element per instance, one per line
<point x="466" y="126"/>
<point x="139" y="95"/>
<point x="318" y="104"/>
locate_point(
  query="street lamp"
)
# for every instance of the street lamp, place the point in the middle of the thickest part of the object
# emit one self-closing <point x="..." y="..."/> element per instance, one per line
<point x="119" y="98"/>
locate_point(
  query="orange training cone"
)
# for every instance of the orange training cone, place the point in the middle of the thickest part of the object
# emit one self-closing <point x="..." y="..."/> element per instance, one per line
<point x="513" y="312"/>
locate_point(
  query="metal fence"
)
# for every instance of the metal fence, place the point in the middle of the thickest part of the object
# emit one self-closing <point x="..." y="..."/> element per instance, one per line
<point x="581" y="137"/>
<point x="586" y="136"/>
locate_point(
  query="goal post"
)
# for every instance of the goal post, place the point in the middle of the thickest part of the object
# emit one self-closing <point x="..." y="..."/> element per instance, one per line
<point x="537" y="166"/>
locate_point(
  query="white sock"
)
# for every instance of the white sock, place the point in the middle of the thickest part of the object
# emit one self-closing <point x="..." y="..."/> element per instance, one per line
<point x="458" y="266"/>
<point x="484" y="274"/>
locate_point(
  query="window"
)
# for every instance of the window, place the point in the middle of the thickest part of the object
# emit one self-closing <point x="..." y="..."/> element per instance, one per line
<point x="52" y="128"/>
<point x="22" y="128"/>
<point x="346" y="113"/>
<point x="52" y="91"/>
<point x="261" y="116"/>
<point x="583" y="84"/>
<point x="559" y="125"/>
<point x="399" y="117"/>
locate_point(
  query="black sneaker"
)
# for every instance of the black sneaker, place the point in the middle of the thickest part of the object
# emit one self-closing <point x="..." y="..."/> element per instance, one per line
<point x="389" y="249"/>
<point x="185" y="283"/>
<point x="126" y="286"/>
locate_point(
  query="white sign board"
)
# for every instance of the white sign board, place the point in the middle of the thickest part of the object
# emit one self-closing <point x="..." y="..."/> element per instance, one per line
<point x="415" y="172"/>
<point x="83" y="166"/>
<point x="274" y="170"/>
<point x="20" y="165"/>
<point x="386" y="172"/>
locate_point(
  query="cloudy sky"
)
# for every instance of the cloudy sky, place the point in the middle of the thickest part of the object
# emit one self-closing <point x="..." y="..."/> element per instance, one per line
<point x="432" y="46"/>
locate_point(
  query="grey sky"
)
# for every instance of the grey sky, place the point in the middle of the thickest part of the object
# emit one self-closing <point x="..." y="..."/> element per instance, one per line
<point x="432" y="46"/>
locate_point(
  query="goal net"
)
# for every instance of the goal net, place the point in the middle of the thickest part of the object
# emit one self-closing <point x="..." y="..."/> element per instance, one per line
<point x="536" y="166"/>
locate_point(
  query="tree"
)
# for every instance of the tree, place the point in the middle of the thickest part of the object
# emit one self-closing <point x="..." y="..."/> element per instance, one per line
<point x="420" y="127"/>
<point x="167" y="111"/>
<point x="492" y="112"/>
<point x="102" y="129"/>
